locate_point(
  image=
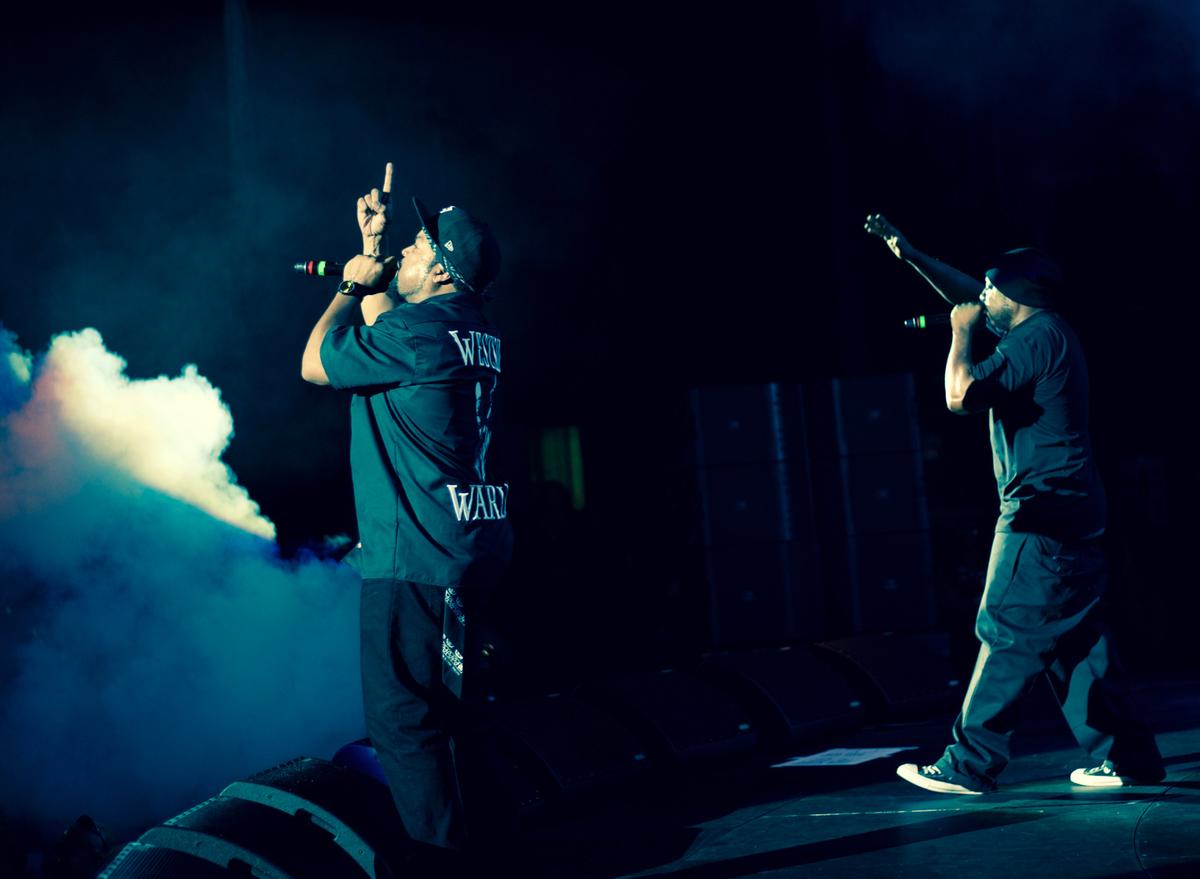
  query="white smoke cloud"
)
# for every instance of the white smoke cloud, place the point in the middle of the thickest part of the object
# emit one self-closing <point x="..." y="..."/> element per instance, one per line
<point x="154" y="646"/>
<point x="165" y="433"/>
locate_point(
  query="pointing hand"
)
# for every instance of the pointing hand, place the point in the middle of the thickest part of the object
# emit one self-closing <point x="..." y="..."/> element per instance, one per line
<point x="373" y="216"/>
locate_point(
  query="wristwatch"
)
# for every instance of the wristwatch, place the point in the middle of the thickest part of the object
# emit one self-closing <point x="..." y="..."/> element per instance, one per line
<point x="351" y="288"/>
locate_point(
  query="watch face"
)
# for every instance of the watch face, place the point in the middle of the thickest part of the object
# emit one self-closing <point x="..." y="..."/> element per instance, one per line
<point x="346" y="287"/>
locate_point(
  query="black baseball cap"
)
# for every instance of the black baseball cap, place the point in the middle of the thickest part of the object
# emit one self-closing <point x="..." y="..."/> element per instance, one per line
<point x="464" y="246"/>
<point x="1028" y="276"/>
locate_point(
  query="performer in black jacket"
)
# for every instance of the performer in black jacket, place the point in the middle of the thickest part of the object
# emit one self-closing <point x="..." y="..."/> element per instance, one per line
<point x="422" y="371"/>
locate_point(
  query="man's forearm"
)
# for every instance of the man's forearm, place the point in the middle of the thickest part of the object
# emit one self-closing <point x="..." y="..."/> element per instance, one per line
<point x="958" y="371"/>
<point x="340" y="311"/>
<point x="951" y="284"/>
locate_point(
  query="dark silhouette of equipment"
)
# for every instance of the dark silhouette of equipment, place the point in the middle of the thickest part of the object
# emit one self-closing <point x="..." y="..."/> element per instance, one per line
<point x="899" y="676"/>
<point x="796" y="696"/>
<point x="141" y="861"/>
<point x="869" y="484"/>
<point x="304" y="818"/>
<point x="811" y="503"/>
<point x="570" y="747"/>
<point x="683" y="718"/>
<point x="360" y="815"/>
<point x="235" y="833"/>
<point x="753" y="490"/>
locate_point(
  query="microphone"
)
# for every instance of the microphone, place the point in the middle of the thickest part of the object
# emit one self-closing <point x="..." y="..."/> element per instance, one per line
<point x="923" y="321"/>
<point x="320" y="268"/>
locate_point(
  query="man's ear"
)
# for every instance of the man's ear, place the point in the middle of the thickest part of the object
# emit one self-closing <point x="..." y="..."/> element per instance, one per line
<point x="440" y="275"/>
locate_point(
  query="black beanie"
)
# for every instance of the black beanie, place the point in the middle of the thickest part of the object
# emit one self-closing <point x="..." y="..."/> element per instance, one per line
<point x="1028" y="276"/>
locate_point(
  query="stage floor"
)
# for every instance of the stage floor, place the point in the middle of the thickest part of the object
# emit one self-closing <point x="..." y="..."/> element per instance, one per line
<point x="843" y="821"/>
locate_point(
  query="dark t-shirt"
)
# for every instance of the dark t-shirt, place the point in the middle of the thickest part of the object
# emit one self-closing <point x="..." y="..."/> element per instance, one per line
<point x="424" y="379"/>
<point x="1036" y="384"/>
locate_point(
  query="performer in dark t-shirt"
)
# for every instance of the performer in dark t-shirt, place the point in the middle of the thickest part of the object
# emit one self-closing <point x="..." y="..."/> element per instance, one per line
<point x="1035" y="387"/>
<point x="422" y="371"/>
<point x="1041" y="611"/>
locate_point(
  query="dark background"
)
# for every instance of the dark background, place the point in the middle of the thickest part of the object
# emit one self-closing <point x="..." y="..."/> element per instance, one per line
<point x="680" y="200"/>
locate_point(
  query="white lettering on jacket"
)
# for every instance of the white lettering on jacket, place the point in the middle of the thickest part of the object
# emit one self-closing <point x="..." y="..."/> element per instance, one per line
<point x="478" y="348"/>
<point x="474" y="502"/>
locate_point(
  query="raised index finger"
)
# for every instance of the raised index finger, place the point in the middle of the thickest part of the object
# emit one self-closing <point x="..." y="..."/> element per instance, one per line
<point x="387" y="184"/>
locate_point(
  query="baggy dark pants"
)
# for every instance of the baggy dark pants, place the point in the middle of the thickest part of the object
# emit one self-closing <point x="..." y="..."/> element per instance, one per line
<point x="1041" y="614"/>
<point x="410" y="699"/>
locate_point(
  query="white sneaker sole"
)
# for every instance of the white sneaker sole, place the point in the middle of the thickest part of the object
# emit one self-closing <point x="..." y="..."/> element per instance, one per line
<point x="1080" y="777"/>
<point x="911" y="773"/>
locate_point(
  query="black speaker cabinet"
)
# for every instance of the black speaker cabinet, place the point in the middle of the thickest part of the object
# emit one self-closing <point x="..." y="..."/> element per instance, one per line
<point x="755" y="502"/>
<point x="864" y="415"/>
<point x="761" y="501"/>
<point x="880" y="582"/>
<point x="763" y="593"/>
<point x="747" y="424"/>
<point x="871" y="494"/>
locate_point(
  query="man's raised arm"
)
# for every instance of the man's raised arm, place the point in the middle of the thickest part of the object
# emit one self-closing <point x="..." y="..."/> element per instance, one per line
<point x="367" y="271"/>
<point x="951" y="284"/>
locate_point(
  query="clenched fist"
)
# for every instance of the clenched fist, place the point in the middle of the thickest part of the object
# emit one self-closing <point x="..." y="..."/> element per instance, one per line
<point x="964" y="316"/>
<point x="370" y="272"/>
<point x="877" y="224"/>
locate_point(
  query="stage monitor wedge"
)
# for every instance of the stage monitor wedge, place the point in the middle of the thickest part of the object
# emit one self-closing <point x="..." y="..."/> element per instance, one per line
<point x="357" y="811"/>
<point x="271" y="844"/>
<point x="140" y="861"/>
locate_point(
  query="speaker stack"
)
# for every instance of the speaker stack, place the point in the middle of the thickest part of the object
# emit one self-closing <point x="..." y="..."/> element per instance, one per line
<point x="869" y="483"/>
<point x="813" y="510"/>
<point x="753" y="490"/>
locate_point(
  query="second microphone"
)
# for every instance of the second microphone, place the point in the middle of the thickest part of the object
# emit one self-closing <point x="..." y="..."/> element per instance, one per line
<point x="923" y="321"/>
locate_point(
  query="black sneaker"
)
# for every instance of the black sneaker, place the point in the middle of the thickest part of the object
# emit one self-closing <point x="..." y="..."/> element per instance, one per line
<point x="931" y="778"/>
<point x="1106" y="775"/>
